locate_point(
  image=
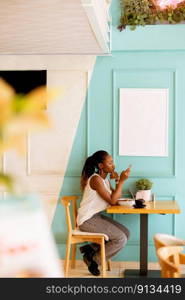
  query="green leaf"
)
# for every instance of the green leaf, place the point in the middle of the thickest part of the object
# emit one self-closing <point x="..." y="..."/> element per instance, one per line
<point x="7" y="181"/>
<point x="144" y="12"/>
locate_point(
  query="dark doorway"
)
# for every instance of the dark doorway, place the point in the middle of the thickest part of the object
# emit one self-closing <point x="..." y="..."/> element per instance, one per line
<point x="24" y="81"/>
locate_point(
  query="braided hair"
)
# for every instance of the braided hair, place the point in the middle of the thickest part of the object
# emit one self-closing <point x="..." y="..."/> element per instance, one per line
<point x="91" y="166"/>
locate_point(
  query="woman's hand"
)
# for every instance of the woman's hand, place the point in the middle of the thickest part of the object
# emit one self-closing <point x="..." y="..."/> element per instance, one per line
<point x="125" y="175"/>
<point x="114" y="175"/>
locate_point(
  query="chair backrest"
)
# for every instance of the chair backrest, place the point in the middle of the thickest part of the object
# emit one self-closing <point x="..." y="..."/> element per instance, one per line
<point x="161" y="240"/>
<point x="66" y="201"/>
<point x="169" y="261"/>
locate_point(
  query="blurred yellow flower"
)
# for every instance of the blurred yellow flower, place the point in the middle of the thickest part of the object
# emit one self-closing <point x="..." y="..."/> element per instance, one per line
<point x="6" y="95"/>
<point x="20" y="114"/>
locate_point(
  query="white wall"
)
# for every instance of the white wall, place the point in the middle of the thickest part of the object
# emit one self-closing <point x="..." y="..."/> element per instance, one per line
<point x="44" y="167"/>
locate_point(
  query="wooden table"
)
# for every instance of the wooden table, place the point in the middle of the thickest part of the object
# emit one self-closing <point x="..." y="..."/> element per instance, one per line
<point x="157" y="207"/>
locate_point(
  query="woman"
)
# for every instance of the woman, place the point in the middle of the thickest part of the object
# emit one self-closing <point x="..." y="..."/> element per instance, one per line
<point x="97" y="196"/>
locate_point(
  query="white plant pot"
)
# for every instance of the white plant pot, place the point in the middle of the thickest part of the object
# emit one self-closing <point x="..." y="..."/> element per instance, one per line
<point x="144" y="194"/>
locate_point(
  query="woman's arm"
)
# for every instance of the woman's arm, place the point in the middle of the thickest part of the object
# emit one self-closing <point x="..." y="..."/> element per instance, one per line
<point x="114" y="175"/>
<point x="96" y="183"/>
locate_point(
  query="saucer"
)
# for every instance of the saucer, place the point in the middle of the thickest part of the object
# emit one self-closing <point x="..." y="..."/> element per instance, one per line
<point x="142" y="206"/>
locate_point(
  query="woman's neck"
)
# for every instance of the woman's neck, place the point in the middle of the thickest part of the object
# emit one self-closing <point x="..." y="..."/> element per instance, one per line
<point x="103" y="175"/>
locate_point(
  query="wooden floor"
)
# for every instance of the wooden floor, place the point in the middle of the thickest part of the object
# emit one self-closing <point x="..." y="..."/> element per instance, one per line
<point x="117" y="269"/>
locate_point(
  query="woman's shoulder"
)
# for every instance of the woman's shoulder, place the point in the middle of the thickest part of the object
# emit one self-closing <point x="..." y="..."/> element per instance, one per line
<point x="95" y="180"/>
<point x="94" y="177"/>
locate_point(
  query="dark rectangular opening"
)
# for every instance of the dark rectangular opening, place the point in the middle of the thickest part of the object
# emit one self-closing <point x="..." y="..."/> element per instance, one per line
<point x="24" y="81"/>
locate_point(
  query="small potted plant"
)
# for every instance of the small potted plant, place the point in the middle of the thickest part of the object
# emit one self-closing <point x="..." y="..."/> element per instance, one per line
<point x="144" y="186"/>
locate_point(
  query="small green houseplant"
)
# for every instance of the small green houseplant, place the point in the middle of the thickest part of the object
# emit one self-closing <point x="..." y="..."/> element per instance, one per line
<point x="144" y="186"/>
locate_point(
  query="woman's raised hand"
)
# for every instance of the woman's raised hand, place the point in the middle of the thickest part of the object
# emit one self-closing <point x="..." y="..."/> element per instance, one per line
<point x="125" y="174"/>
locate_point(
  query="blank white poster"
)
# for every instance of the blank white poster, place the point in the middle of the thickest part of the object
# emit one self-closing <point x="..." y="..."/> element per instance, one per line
<point x="143" y="122"/>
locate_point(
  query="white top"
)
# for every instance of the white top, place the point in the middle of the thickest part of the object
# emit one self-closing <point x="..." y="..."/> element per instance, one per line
<point x="92" y="202"/>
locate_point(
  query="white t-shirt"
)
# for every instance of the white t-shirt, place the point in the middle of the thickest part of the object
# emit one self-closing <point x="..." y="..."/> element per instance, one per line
<point x="92" y="202"/>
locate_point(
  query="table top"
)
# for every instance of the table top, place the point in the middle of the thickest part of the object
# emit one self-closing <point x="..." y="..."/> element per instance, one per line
<point x="157" y="207"/>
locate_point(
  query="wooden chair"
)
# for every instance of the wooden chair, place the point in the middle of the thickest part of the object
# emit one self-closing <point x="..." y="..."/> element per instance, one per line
<point x="170" y="258"/>
<point x="76" y="236"/>
<point x="161" y="240"/>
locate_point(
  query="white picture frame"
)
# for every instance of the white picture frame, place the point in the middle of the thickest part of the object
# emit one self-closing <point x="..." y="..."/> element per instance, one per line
<point x="143" y="122"/>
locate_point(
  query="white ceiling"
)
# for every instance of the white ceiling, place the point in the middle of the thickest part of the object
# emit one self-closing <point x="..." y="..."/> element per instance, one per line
<point x="50" y="27"/>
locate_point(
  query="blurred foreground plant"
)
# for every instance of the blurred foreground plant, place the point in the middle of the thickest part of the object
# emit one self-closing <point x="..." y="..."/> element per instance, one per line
<point x="20" y="114"/>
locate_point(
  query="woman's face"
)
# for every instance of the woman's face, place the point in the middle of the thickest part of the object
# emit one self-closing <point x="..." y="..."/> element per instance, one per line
<point x="107" y="165"/>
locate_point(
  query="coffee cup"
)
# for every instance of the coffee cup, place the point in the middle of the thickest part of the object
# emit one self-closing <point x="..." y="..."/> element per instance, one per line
<point x="139" y="202"/>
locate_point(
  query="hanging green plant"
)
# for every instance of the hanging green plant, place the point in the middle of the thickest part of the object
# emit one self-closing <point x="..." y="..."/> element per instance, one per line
<point x="148" y="12"/>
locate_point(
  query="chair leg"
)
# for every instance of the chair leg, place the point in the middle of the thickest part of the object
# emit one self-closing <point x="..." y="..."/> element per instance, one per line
<point x="103" y="260"/>
<point x="108" y="265"/>
<point x="73" y="259"/>
<point x="68" y="247"/>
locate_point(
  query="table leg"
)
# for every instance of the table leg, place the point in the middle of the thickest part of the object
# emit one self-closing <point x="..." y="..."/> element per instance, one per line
<point x="143" y="270"/>
<point x="143" y="244"/>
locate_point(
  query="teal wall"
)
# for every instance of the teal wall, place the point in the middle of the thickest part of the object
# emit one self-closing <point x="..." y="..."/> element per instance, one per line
<point x="153" y="37"/>
<point x="153" y="63"/>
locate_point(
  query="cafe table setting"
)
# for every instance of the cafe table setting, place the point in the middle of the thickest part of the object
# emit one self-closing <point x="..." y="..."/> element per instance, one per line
<point x="144" y="209"/>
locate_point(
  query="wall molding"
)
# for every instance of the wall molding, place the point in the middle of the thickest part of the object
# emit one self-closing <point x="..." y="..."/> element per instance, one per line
<point x="86" y="108"/>
<point x="173" y="72"/>
<point x="87" y="114"/>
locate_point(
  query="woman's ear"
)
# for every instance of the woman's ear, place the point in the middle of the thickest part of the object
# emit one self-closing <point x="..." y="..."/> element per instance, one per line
<point x="100" y="166"/>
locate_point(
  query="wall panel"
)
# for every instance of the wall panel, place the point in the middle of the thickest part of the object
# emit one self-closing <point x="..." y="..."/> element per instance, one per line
<point x="147" y="69"/>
